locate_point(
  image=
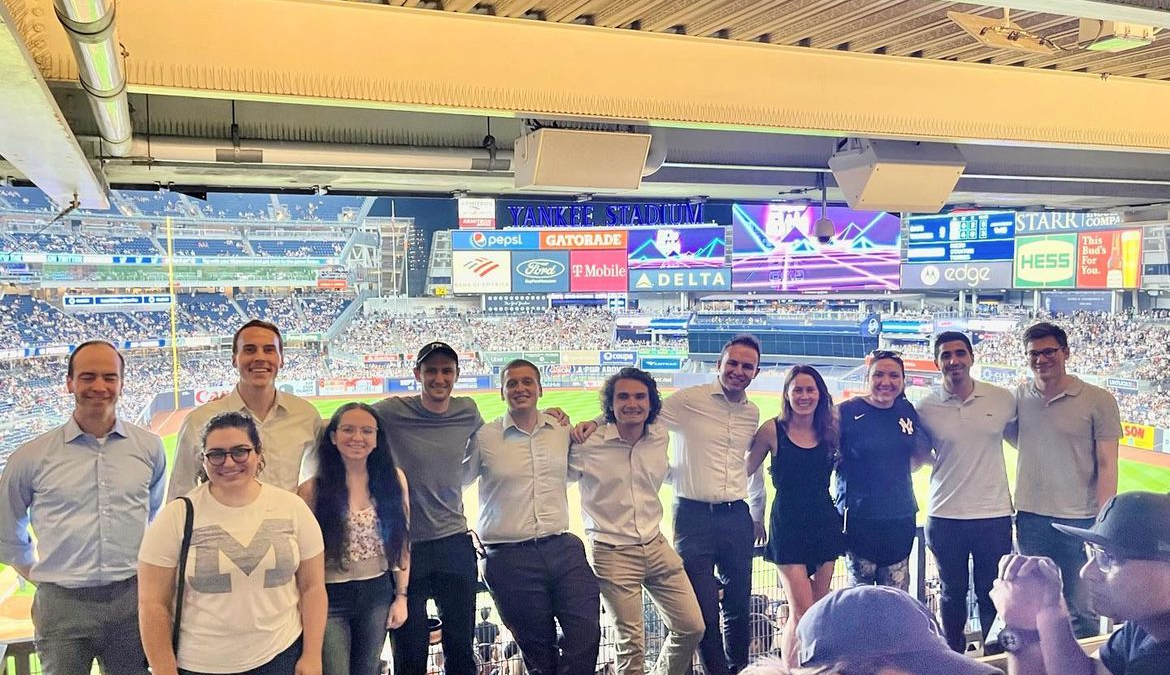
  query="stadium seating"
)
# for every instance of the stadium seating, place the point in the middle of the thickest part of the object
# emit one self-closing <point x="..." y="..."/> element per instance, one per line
<point x="303" y="248"/>
<point x="209" y="247"/>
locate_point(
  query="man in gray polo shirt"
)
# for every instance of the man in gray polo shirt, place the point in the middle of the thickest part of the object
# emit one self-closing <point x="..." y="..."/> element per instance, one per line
<point x="970" y="512"/>
<point x="1068" y="434"/>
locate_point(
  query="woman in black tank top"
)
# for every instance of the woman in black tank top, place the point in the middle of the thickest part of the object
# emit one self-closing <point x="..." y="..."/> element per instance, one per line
<point x="805" y="538"/>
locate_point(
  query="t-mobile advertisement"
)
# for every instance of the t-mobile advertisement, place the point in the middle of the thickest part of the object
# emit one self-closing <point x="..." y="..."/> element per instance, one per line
<point x="598" y="271"/>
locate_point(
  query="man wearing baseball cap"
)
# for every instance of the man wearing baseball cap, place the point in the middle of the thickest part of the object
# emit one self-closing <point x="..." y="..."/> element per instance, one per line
<point x="1128" y="576"/>
<point x="881" y="625"/>
<point x="430" y="433"/>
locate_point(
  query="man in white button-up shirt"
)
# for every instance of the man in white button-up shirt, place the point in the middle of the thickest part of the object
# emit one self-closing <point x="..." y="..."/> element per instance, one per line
<point x="621" y="468"/>
<point x="536" y="570"/>
<point x="712" y="426"/>
<point x="289" y="425"/>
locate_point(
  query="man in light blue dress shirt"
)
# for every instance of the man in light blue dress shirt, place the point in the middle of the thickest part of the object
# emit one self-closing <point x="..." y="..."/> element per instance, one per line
<point x="88" y="488"/>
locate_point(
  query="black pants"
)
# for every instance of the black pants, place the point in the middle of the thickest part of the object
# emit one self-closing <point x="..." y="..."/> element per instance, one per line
<point x="539" y="584"/>
<point x="718" y="535"/>
<point x="984" y="541"/>
<point x="443" y="569"/>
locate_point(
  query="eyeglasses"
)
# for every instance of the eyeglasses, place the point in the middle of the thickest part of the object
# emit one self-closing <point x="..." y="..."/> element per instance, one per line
<point x="217" y="457"/>
<point x="1046" y="353"/>
<point x="886" y="354"/>
<point x="1105" y="561"/>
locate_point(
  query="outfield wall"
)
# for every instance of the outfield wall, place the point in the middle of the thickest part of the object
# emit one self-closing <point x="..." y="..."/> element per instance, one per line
<point x="1138" y="436"/>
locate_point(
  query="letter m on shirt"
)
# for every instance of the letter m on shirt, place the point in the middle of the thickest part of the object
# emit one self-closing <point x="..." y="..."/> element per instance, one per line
<point x="210" y="543"/>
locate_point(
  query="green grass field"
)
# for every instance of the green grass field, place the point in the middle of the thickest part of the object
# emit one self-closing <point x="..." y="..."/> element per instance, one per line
<point x="584" y="405"/>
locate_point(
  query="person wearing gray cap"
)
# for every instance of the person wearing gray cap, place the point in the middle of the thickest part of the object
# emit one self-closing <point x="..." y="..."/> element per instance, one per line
<point x="1128" y="578"/>
<point x="879" y="624"/>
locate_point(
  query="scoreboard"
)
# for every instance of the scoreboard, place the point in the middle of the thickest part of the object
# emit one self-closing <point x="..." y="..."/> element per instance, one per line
<point x="961" y="237"/>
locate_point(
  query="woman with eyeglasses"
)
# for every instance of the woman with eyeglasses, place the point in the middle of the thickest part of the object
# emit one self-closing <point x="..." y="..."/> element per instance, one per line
<point x="360" y="500"/>
<point x="254" y="601"/>
<point x="881" y="444"/>
<point x="804" y="539"/>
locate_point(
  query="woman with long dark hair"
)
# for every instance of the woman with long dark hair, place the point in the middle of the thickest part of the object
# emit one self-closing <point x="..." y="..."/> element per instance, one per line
<point x="360" y="500"/>
<point x="805" y="537"/>
<point x="881" y="442"/>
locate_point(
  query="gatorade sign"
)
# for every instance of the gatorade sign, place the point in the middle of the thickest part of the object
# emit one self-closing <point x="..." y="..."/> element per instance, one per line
<point x="1046" y="261"/>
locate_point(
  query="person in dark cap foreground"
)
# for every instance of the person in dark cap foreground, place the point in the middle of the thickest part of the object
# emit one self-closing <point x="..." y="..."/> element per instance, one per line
<point x="1128" y="575"/>
<point x="882" y="625"/>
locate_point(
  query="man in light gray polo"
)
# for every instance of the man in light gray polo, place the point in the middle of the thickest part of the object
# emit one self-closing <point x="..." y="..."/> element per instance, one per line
<point x="1068" y="434"/>
<point x="969" y="520"/>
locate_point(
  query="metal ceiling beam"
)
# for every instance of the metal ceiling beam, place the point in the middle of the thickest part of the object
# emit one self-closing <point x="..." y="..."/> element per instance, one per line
<point x="1145" y="12"/>
<point x="35" y="137"/>
<point x="545" y="70"/>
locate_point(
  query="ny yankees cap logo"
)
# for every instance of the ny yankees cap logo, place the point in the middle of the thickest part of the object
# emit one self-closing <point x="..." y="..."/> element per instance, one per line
<point x="907" y="425"/>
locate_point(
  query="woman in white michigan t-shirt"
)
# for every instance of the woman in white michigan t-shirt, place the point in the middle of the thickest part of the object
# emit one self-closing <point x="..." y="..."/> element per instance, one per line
<point x="255" y="601"/>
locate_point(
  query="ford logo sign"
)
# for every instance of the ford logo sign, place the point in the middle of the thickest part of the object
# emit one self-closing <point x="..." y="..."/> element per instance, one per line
<point x="540" y="269"/>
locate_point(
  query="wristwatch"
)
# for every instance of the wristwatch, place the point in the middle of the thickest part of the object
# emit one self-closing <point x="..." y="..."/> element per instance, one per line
<point x="1014" y="640"/>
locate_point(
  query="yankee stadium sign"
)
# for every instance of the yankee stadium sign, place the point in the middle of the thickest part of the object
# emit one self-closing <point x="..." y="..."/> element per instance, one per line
<point x="604" y="215"/>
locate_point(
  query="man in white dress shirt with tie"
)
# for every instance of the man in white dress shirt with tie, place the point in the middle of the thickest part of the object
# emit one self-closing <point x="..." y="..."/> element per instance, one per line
<point x="712" y="426"/>
<point x="536" y="570"/>
<point x="621" y="468"/>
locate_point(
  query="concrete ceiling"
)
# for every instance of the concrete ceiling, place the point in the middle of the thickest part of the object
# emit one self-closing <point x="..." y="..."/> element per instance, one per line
<point x="732" y="161"/>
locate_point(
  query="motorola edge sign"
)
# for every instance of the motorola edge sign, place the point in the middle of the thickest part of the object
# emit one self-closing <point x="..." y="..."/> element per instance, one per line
<point x="958" y="276"/>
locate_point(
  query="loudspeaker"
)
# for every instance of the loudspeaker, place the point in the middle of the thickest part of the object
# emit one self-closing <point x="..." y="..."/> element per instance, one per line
<point x="880" y="175"/>
<point x="571" y="160"/>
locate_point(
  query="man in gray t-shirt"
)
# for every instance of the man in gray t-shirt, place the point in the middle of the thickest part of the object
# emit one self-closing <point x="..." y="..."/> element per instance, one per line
<point x="429" y="436"/>
<point x="1068" y="434"/>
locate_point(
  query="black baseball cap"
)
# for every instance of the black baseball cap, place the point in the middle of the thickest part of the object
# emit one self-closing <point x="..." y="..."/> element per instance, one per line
<point x="432" y="348"/>
<point x="1131" y="525"/>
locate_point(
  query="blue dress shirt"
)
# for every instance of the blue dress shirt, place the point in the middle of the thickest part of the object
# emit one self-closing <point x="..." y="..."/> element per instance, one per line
<point x="89" y="502"/>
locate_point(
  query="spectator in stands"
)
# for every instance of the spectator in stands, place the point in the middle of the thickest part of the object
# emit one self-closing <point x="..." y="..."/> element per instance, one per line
<point x="713" y="525"/>
<point x="1129" y="575"/>
<point x="360" y="500"/>
<point x="621" y="468"/>
<point x="431" y="432"/>
<point x="1068" y="434"/>
<point x="88" y="488"/>
<point x="534" y="567"/>
<point x="969" y="523"/>
<point x="805" y="539"/>
<point x="289" y="425"/>
<point x="880" y="440"/>
<point x="880" y="631"/>
<point x="487" y="633"/>
<point x="242" y="613"/>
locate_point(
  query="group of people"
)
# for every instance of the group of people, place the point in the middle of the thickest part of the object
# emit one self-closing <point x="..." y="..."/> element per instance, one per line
<point x="302" y="543"/>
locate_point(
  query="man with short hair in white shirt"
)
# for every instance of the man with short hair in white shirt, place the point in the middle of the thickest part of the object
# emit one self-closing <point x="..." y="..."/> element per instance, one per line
<point x="535" y="568"/>
<point x="969" y="519"/>
<point x="621" y="468"/>
<point x="713" y="426"/>
<point x="289" y="425"/>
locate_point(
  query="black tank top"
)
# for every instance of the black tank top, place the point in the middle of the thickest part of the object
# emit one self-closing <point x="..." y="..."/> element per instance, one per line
<point x="800" y="475"/>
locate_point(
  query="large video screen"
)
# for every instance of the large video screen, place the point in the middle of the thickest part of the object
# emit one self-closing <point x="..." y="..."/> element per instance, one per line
<point x="774" y="248"/>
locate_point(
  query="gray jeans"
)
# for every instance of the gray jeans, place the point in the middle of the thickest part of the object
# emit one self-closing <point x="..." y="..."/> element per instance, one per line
<point x="74" y="626"/>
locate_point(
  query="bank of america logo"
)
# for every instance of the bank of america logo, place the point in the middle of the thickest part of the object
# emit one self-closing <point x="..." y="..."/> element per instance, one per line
<point x="482" y="266"/>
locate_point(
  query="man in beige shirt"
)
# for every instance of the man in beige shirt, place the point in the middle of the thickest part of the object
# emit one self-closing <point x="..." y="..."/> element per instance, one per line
<point x="621" y="468"/>
<point x="289" y="425"/>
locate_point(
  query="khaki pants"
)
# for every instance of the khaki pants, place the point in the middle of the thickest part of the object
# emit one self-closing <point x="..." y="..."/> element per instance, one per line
<point x="622" y="572"/>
